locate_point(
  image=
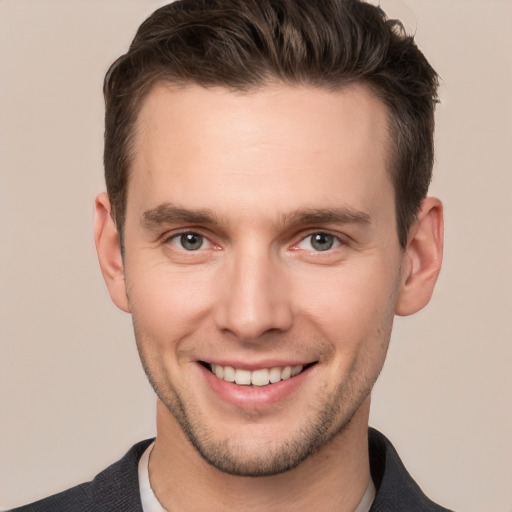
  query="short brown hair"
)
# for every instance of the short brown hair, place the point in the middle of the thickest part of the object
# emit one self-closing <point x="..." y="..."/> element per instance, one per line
<point x="243" y="44"/>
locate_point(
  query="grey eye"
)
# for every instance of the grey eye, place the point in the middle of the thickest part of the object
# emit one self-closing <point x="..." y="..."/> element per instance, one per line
<point x="322" y="241"/>
<point x="191" y="241"/>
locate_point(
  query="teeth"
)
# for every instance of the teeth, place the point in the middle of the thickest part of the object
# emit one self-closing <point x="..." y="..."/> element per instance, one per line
<point x="286" y="373"/>
<point x="229" y="373"/>
<point x="275" y="375"/>
<point x="296" y="370"/>
<point x="243" y="377"/>
<point x="261" y="377"/>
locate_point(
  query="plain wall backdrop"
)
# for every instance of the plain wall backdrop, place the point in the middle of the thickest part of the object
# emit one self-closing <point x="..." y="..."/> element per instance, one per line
<point x="73" y="396"/>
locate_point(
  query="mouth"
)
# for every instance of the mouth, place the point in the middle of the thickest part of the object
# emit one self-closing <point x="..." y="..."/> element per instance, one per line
<point x="258" y="377"/>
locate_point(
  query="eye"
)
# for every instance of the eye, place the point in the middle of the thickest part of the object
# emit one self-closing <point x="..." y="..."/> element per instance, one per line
<point x="189" y="241"/>
<point x="319" y="242"/>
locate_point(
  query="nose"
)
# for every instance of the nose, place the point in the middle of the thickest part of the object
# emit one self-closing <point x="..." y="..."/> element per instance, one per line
<point x="255" y="298"/>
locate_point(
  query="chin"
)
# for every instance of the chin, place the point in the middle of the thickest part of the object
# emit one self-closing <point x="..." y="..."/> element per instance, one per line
<point x="266" y="454"/>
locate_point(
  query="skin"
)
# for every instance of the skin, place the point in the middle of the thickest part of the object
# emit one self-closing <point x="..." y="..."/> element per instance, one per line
<point x="271" y="168"/>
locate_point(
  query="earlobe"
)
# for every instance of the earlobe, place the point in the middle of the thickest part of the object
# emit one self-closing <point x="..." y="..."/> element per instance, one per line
<point x="422" y="258"/>
<point x="108" y="248"/>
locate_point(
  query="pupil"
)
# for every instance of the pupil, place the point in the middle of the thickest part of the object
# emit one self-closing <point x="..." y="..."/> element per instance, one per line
<point x="322" y="241"/>
<point x="191" y="241"/>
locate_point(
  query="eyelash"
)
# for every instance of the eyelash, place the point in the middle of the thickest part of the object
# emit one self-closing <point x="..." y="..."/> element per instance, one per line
<point x="335" y="241"/>
<point x="177" y="238"/>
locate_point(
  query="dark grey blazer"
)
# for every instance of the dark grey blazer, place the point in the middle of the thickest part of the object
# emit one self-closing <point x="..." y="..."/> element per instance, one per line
<point x="116" y="489"/>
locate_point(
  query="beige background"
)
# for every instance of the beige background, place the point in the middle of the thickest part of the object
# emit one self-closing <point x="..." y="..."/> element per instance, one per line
<point x="72" y="394"/>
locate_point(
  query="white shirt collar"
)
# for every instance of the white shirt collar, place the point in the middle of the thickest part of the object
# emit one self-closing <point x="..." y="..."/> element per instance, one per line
<point x="151" y="504"/>
<point x="147" y="496"/>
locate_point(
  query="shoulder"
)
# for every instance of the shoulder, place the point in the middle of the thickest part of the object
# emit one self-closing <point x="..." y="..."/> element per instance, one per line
<point x="114" y="489"/>
<point x="396" y="489"/>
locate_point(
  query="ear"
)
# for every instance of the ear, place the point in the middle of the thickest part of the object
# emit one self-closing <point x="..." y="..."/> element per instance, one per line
<point x="422" y="258"/>
<point x="108" y="248"/>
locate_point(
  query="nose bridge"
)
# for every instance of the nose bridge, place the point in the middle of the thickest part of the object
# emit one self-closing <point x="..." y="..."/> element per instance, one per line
<point x="256" y="299"/>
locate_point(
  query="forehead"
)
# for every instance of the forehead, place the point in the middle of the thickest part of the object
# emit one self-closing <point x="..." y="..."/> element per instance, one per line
<point x="279" y="143"/>
<point x="202" y="108"/>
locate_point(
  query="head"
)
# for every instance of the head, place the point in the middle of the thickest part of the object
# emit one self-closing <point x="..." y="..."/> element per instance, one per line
<point x="267" y="164"/>
<point x="244" y="45"/>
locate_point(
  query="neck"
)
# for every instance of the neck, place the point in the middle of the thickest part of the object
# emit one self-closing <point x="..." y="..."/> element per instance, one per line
<point x="333" y="479"/>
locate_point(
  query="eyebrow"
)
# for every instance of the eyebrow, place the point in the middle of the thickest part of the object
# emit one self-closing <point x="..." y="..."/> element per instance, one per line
<point x="167" y="213"/>
<point x="344" y="215"/>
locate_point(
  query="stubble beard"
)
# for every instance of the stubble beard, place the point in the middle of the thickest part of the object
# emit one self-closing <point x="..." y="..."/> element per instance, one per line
<point x="235" y="459"/>
<point x="330" y="418"/>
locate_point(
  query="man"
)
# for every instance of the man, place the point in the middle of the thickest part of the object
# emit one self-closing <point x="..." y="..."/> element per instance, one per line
<point x="267" y="165"/>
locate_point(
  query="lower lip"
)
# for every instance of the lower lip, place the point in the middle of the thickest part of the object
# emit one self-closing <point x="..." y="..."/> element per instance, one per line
<point x="254" y="397"/>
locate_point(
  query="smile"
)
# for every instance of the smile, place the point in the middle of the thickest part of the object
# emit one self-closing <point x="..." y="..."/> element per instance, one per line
<point x="259" y="377"/>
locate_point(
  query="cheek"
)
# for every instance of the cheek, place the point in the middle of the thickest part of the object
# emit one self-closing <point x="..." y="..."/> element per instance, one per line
<point x="168" y="303"/>
<point x="349" y="293"/>
<point x="353" y="310"/>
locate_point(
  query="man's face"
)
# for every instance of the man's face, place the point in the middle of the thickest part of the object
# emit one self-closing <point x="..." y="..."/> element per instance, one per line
<point x="260" y="242"/>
